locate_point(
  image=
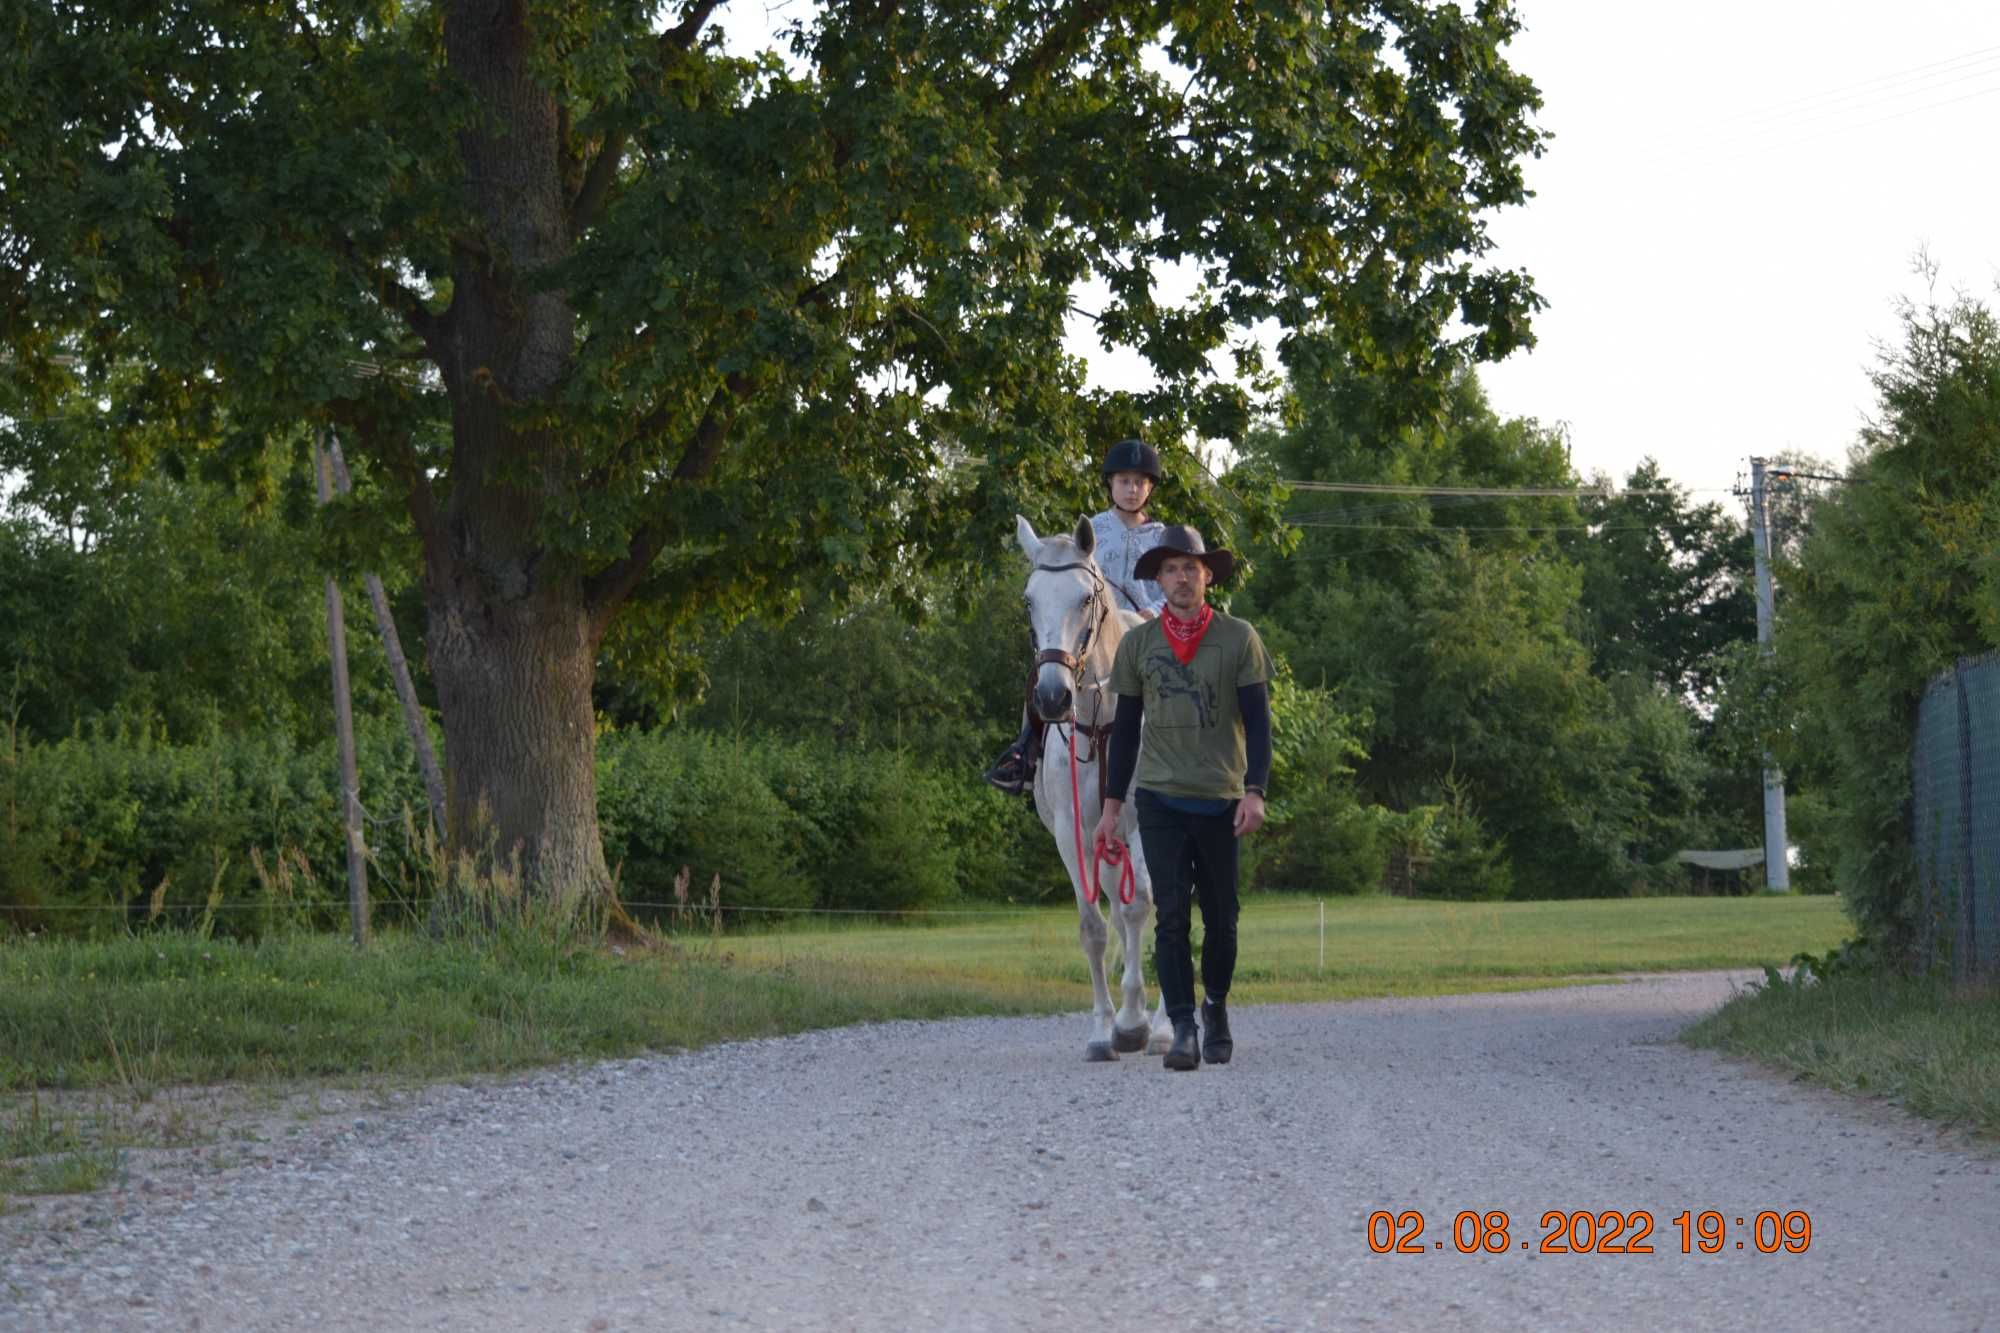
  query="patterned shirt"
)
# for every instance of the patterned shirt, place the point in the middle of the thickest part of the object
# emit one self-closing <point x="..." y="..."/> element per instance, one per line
<point x="1195" y="746"/>
<point x="1118" y="550"/>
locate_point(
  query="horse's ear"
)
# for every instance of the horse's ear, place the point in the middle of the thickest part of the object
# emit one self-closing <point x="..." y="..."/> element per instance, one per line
<point x="1024" y="533"/>
<point x="1086" y="536"/>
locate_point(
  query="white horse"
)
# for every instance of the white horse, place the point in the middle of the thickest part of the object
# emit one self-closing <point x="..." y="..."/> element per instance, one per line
<point x="1077" y="626"/>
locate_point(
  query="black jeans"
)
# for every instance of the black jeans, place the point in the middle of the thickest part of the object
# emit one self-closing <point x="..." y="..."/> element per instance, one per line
<point x="1190" y="857"/>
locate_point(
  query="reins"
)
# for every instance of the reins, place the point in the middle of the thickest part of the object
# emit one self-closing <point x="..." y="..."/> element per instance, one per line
<point x="1111" y="851"/>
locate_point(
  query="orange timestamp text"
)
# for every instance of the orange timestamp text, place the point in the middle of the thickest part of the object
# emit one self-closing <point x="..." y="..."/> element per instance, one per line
<point x="1590" y="1231"/>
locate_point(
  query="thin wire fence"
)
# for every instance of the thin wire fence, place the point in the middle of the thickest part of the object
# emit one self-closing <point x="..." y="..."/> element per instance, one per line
<point x="1955" y="817"/>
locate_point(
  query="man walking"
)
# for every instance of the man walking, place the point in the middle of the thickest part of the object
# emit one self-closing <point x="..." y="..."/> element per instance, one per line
<point x="1201" y="682"/>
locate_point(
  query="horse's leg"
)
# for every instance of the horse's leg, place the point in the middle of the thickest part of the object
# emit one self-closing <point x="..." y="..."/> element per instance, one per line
<point x="1158" y="1033"/>
<point x="1091" y="932"/>
<point x="1132" y="1027"/>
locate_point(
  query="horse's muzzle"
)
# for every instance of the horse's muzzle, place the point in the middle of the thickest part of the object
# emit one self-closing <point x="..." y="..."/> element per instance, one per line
<point x="1053" y="701"/>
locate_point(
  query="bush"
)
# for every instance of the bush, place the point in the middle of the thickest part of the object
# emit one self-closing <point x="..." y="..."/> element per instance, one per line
<point x="1317" y="835"/>
<point x="668" y="800"/>
<point x="113" y="826"/>
<point x="1464" y="862"/>
<point x="874" y="827"/>
<point x="242" y="833"/>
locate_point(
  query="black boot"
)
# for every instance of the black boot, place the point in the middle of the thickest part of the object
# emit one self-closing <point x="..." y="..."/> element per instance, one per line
<point x="1216" y="1047"/>
<point x="1185" y="1053"/>
<point x="1014" y="771"/>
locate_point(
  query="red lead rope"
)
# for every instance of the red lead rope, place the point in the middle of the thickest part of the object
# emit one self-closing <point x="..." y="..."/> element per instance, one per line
<point x="1112" y="852"/>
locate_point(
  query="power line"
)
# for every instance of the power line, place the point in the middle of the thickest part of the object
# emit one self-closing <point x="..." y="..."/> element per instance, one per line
<point x="1914" y="81"/>
<point x="1605" y="492"/>
<point x="1853" y="126"/>
<point x="1488" y="492"/>
<point x="1477" y="527"/>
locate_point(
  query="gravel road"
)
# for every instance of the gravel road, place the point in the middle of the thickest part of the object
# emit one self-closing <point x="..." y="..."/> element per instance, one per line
<point x="977" y="1174"/>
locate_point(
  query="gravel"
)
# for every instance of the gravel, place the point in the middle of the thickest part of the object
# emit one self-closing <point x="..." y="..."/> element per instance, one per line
<point x="977" y="1174"/>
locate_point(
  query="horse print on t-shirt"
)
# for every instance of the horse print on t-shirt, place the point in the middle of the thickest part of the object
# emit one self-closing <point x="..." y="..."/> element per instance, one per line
<point x="1176" y="682"/>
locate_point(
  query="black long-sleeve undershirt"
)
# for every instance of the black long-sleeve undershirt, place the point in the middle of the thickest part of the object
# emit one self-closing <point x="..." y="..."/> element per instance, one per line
<point x="1253" y="702"/>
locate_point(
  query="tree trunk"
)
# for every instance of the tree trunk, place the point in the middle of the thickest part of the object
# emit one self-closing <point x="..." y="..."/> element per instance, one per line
<point x="520" y="733"/>
<point x="511" y="642"/>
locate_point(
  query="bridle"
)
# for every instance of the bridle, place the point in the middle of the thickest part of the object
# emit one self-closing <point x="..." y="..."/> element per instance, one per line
<point x="1073" y="662"/>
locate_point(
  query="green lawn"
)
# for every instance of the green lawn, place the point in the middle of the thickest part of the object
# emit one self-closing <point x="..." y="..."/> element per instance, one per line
<point x="1373" y="946"/>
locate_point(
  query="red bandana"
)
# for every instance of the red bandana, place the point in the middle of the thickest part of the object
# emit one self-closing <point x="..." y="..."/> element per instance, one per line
<point x="1184" y="636"/>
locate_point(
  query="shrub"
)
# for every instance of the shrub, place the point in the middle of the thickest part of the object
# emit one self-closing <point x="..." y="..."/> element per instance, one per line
<point x="1464" y="862"/>
<point x="113" y="826"/>
<point x="1317" y="836"/>
<point x="669" y="799"/>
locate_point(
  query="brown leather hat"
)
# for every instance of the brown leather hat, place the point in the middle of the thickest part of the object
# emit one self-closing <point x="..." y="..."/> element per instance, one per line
<point x="1183" y="540"/>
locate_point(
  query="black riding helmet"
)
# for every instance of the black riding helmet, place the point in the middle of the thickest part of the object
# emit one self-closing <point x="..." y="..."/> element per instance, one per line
<point x="1132" y="456"/>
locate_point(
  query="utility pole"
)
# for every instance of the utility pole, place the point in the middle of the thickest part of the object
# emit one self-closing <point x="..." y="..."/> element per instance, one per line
<point x="1777" y="870"/>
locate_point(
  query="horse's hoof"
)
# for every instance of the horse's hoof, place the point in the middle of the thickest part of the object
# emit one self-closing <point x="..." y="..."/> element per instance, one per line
<point x="1128" y="1041"/>
<point x="1098" y="1053"/>
<point x="1158" y="1043"/>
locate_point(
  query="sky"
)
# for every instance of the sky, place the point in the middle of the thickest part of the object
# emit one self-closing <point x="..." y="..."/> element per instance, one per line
<point x="1731" y="206"/>
<point x="1730" y="210"/>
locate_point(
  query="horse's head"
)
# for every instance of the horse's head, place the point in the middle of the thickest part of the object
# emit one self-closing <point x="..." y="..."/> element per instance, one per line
<point x="1068" y="607"/>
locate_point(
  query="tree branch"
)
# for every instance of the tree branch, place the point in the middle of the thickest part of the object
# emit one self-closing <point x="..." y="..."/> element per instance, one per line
<point x="606" y="591"/>
<point x="706" y="446"/>
<point x="396" y="454"/>
<point x="1057" y="44"/>
<point x="597" y="182"/>
<point x="603" y="171"/>
<point x="681" y="37"/>
<point x="394" y="294"/>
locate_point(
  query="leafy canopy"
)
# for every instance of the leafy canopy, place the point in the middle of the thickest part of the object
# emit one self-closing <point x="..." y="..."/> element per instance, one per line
<point x="787" y="318"/>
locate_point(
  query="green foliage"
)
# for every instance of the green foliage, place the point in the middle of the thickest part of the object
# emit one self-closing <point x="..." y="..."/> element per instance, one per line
<point x="874" y="828"/>
<point x="668" y="801"/>
<point x="1896" y="579"/>
<point x="173" y="601"/>
<point x="935" y="673"/>
<point x="1317" y="836"/>
<point x="810" y="824"/>
<point x="235" y="834"/>
<point x="1667" y="585"/>
<point x="1457" y="627"/>
<point x="1463" y="861"/>
<point x="668" y="337"/>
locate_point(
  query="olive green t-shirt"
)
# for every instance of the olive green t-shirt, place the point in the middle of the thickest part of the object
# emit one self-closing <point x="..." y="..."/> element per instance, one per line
<point x="1193" y="742"/>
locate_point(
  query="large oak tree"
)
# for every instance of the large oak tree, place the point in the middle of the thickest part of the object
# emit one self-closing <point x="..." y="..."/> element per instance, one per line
<point x="639" y="332"/>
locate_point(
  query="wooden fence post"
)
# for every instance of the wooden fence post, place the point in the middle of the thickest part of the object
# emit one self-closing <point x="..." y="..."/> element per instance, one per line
<point x="343" y="723"/>
<point x="399" y="669"/>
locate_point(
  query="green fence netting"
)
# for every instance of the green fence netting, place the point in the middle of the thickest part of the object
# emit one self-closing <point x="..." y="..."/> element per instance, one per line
<point x="1955" y="816"/>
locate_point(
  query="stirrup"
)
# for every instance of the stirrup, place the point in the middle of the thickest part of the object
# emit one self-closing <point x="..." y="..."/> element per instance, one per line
<point x="1012" y="773"/>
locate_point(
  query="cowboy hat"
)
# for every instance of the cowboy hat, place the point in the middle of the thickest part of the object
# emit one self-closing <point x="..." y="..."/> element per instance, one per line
<point x="1183" y="540"/>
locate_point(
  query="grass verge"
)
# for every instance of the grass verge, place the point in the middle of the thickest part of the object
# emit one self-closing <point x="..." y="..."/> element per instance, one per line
<point x="129" y="1018"/>
<point x="1920" y="1042"/>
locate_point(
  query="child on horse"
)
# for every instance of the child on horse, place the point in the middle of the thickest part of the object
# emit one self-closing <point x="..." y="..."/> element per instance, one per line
<point x="1131" y="472"/>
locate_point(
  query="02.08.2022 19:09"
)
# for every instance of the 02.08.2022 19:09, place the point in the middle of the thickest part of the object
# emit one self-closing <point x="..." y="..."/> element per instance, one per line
<point x="1587" y="1231"/>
